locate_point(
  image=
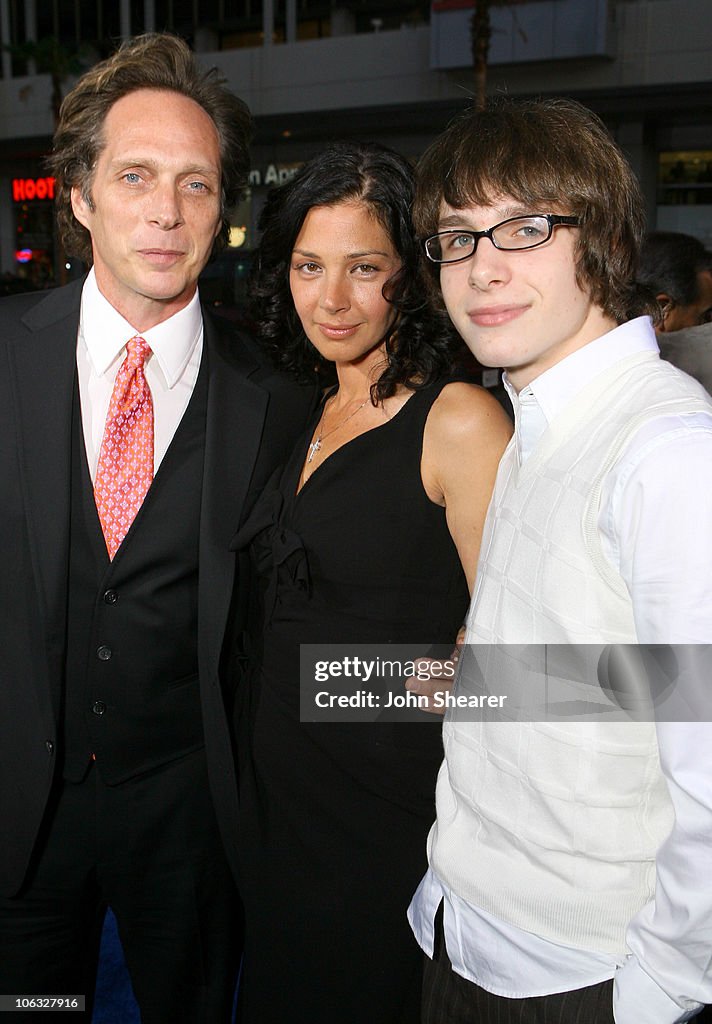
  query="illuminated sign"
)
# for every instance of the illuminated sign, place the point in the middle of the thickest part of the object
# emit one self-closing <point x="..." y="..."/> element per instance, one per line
<point x="24" y="189"/>
<point x="274" y="174"/>
<point x="23" y="255"/>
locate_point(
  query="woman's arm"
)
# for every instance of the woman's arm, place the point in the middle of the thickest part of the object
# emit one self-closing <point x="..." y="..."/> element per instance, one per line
<point x="465" y="434"/>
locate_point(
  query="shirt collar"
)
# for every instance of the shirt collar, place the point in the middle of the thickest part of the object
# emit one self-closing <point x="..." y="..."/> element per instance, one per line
<point x="536" y="405"/>
<point x="105" y="333"/>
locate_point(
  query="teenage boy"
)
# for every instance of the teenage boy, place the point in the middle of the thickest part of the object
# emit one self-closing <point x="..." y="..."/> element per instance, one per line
<point x="571" y="860"/>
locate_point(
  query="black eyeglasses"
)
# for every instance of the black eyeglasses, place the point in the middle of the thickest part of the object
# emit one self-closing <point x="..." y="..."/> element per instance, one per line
<point x="511" y="234"/>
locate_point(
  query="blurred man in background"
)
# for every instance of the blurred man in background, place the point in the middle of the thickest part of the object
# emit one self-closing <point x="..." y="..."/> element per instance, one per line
<point x="678" y="271"/>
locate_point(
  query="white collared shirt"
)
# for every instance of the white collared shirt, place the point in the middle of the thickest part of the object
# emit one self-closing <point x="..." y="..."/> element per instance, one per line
<point x="655" y="524"/>
<point x="171" y="369"/>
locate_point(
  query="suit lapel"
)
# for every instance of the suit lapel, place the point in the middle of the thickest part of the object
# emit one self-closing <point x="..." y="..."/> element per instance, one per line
<point x="235" y="418"/>
<point x="43" y="362"/>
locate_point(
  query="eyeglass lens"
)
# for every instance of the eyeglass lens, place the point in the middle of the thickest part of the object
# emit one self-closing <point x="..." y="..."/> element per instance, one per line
<point x="516" y="233"/>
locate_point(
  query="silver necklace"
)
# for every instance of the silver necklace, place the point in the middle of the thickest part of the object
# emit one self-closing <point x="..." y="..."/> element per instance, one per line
<point x="315" y="446"/>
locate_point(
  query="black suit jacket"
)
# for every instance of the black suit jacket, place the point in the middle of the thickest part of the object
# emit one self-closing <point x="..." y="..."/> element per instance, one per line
<point x="252" y="418"/>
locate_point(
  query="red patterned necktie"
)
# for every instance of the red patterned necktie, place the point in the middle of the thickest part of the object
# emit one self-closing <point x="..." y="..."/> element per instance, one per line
<point x="125" y="468"/>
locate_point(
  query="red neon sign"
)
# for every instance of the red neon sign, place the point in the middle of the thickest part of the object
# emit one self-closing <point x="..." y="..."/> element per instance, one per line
<point x="24" y="189"/>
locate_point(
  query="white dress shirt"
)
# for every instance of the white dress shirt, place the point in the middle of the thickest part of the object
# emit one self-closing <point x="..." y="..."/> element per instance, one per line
<point x="171" y="369"/>
<point x="655" y="523"/>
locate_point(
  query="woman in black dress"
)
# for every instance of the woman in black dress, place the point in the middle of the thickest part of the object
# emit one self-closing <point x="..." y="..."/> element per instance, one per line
<point x="369" y="535"/>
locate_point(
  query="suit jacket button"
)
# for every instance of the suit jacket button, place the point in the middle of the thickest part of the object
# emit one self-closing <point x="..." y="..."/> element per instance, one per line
<point x="103" y="653"/>
<point x="110" y="597"/>
<point x="99" y="707"/>
<point x="50" y="746"/>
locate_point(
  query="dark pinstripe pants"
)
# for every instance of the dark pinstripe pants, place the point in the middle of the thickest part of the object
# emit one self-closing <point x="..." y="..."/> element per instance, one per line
<point x="450" y="999"/>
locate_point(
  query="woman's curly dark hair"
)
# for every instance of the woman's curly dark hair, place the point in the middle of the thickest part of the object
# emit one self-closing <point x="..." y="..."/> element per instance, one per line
<point x="420" y="340"/>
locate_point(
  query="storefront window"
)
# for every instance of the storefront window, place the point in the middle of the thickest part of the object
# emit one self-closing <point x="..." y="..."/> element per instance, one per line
<point x="34" y="232"/>
<point x="685" y="178"/>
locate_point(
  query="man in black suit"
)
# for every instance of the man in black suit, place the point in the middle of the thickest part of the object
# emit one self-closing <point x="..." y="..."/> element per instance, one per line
<point x="116" y="773"/>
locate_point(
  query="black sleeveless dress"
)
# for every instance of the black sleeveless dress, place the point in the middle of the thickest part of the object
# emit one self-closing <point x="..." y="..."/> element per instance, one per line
<point x="335" y="815"/>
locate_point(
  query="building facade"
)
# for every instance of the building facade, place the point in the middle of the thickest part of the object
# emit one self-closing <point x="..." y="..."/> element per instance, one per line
<point x="392" y="72"/>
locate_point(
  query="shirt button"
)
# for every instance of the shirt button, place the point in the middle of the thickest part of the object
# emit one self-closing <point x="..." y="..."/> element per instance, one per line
<point x="110" y="597"/>
<point x="103" y="653"/>
<point x="98" y="707"/>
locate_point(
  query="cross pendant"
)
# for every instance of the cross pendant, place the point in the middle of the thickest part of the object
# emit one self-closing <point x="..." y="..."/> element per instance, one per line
<point x="313" y="449"/>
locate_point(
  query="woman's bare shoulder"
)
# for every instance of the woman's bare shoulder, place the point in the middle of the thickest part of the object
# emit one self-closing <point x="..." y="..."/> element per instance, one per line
<point x="463" y="409"/>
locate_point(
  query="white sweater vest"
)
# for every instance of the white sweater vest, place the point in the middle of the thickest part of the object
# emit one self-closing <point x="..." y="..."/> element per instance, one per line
<point x="554" y="827"/>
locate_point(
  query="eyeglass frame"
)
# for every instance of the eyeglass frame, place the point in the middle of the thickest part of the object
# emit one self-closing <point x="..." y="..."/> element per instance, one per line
<point x="552" y="219"/>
